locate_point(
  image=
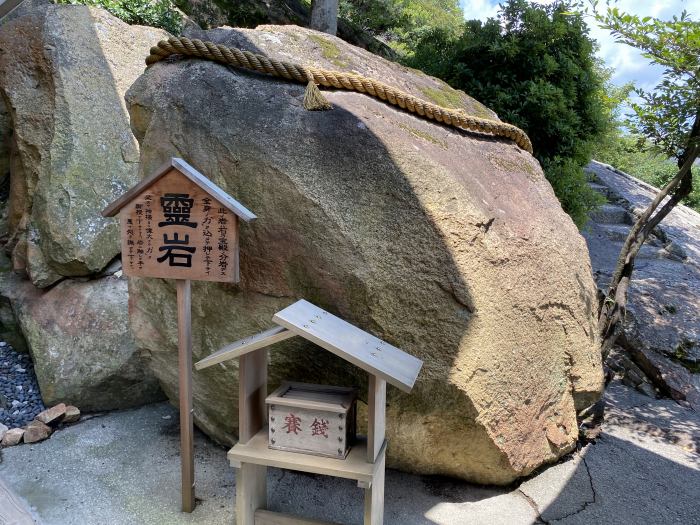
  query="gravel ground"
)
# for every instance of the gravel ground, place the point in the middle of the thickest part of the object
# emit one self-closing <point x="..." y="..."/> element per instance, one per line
<point x="20" y="400"/>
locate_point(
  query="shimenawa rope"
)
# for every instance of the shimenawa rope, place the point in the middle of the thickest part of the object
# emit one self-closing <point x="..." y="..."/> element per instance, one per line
<point x="314" y="100"/>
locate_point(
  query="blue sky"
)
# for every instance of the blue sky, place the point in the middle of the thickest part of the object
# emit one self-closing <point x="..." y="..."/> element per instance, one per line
<point x="628" y="64"/>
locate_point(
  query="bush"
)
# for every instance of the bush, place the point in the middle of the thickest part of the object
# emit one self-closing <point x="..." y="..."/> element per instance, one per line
<point x="535" y="67"/>
<point x="156" y="13"/>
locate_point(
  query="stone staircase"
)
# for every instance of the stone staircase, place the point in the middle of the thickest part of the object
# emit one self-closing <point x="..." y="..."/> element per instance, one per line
<point x="662" y="329"/>
<point x="613" y="221"/>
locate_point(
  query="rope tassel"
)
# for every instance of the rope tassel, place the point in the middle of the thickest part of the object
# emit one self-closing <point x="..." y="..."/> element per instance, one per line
<point x="314" y="100"/>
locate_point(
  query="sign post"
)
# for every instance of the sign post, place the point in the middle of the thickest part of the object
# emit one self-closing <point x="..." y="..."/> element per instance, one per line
<point x="184" y="337"/>
<point x="177" y="224"/>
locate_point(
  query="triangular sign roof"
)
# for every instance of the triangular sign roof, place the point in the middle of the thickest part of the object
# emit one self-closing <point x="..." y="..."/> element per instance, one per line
<point x="188" y="171"/>
<point x="335" y="335"/>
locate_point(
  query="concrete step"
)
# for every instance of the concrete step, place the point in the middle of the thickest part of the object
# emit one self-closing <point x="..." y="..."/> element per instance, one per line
<point x="611" y="214"/>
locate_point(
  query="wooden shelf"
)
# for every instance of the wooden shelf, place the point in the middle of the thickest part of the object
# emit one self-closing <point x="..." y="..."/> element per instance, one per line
<point x="354" y="466"/>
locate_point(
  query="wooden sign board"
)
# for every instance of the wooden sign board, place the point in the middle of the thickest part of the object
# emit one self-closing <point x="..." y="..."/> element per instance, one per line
<point x="179" y="225"/>
<point x="176" y="230"/>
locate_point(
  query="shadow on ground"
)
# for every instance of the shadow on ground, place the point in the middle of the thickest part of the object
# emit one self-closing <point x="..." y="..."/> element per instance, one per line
<point x="123" y="468"/>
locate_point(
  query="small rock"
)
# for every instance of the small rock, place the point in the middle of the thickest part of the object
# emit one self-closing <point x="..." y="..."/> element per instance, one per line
<point x="592" y="434"/>
<point x="646" y="389"/>
<point x="36" y="431"/>
<point x="52" y="415"/>
<point x="72" y="414"/>
<point x="3" y="431"/>
<point x="12" y="437"/>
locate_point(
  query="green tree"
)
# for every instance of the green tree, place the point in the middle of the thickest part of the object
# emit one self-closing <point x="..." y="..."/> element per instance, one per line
<point x="402" y="23"/>
<point x="669" y="117"/>
<point x="155" y="13"/>
<point x="535" y="67"/>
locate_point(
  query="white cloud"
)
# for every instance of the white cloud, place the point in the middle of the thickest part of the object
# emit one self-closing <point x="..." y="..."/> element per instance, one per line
<point x="627" y="62"/>
<point x="479" y="9"/>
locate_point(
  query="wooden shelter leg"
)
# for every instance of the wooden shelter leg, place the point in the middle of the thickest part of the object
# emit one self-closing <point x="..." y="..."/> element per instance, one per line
<point x="184" y="328"/>
<point x="251" y="492"/>
<point x="374" y="496"/>
<point x="251" y="480"/>
<point x="376" y="417"/>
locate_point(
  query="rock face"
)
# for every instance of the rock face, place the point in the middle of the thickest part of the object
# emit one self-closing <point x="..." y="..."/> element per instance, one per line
<point x="251" y="13"/>
<point x="662" y="326"/>
<point x="451" y="246"/>
<point x="79" y="339"/>
<point x="63" y="73"/>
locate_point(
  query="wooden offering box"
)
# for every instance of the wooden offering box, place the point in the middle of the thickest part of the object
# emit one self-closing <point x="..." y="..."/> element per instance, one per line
<point x="364" y="462"/>
<point x="312" y="419"/>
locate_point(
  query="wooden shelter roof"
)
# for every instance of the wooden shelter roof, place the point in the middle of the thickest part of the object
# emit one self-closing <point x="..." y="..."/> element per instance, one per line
<point x="339" y="337"/>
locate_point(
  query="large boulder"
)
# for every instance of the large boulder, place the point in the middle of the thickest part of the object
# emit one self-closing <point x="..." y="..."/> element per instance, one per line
<point x="450" y="245"/>
<point x="79" y="339"/>
<point x="63" y="74"/>
<point x="66" y="141"/>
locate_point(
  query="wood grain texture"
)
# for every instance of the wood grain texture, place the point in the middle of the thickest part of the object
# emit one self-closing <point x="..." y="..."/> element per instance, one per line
<point x="252" y="391"/>
<point x="251" y="492"/>
<point x="354" y="466"/>
<point x="376" y="417"/>
<point x="338" y="399"/>
<point x="312" y="419"/>
<point x="184" y="324"/>
<point x="176" y="230"/>
<point x="374" y="496"/>
<point x="193" y="175"/>
<point x="331" y="440"/>
<point x="245" y="345"/>
<point x="352" y="344"/>
<point x="267" y="517"/>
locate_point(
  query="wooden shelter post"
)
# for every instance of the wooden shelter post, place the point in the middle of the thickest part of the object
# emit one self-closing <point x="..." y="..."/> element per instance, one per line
<point x="251" y="480"/>
<point x="376" y="434"/>
<point x="376" y="409"/>
<point x="184" y="329"/>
